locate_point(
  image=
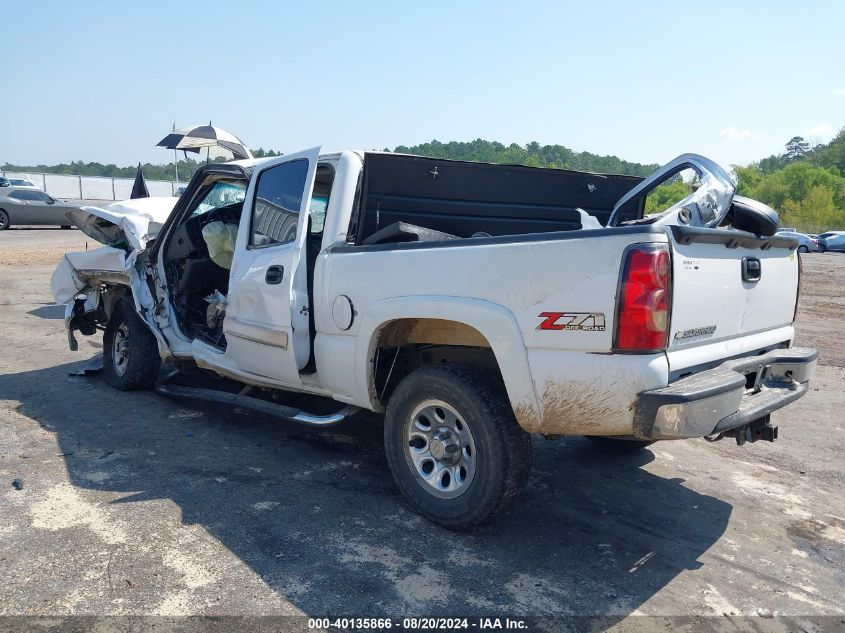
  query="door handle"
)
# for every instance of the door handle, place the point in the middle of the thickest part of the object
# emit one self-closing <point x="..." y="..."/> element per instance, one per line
<point x="274" y="274"/>
<point x="752" y="269"/>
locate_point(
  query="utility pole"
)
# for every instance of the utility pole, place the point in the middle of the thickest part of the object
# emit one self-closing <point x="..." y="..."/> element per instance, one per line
<point x="175" y="154"/>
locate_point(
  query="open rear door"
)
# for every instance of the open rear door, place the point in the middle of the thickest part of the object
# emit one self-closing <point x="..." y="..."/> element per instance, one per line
<point x="266" y="323"/>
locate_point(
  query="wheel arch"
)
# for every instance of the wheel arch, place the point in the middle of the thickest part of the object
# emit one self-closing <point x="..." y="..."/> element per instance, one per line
<point x="444" y="322"/>
<point x="118" y="291"/>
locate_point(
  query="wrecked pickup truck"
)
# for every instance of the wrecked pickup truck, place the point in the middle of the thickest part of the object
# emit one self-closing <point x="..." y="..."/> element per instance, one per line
<point x="473" y="304"/>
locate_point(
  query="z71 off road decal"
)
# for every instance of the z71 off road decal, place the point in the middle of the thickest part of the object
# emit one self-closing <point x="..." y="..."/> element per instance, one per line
<point x="583" y="321"/>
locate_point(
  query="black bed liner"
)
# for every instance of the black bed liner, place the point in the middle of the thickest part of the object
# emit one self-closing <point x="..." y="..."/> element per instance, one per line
<point x="463" y="198"/>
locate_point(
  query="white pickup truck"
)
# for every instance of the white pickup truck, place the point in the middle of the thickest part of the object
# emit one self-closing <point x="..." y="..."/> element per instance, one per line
<point x="474" y="304"/>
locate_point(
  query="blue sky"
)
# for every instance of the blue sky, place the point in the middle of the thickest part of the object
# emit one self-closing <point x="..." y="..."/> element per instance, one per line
<point x="645" y="81"/>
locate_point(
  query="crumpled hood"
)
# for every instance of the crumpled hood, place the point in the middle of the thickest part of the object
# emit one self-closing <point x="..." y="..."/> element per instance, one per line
<point x="128" y="224"/>
<point x="70" y="275"/>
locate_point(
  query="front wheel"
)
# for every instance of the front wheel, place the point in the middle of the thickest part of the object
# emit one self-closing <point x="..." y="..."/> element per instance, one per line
<point x="4" y="220"/>
<point x="130" y="352"/>
<point x="453" y="445"/>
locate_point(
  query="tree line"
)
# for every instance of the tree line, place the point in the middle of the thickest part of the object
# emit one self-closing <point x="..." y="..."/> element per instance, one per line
<point x="805" y="184"/>
<point x="533" y="154"/>
<point x="186" y="168"/>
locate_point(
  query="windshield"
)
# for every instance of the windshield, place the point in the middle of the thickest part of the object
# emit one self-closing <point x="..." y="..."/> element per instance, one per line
<point x="222" y="194"/>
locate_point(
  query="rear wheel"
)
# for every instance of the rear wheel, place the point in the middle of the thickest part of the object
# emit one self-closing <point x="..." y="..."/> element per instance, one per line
<point x="453" y="445"/>
<point x="618" y="446"/>
<point x="4" y="220"/>
<point x="803" y="249"/>
<point x="130" y="352"/>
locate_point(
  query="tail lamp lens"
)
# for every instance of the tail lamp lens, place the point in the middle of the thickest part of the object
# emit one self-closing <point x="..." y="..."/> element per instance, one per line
<point x="642" y="322"/>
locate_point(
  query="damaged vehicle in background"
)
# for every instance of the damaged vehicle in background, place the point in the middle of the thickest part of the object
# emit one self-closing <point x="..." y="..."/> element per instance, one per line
<point x="472" y="304"/>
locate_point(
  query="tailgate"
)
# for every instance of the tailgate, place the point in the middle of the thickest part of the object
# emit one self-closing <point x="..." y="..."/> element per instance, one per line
<point x="733" y="293"/>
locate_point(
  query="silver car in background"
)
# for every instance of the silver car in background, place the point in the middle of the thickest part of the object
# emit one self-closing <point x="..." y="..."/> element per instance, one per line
<point x="832" y="241"/>
<point x="806" y="243"/>
<point x="28" y="205"/>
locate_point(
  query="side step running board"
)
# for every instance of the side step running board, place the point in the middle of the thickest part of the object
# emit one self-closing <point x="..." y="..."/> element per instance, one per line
<point x="255" y="404"/>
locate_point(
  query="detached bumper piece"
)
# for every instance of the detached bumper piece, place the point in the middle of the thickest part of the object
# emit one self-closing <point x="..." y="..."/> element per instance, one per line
<point x="735" y="398"/>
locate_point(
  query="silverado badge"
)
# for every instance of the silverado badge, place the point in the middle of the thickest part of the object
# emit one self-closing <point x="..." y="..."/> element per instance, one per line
<point x="695" y="333"/>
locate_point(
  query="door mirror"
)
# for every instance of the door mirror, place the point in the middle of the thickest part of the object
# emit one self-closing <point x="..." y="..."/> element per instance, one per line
<point x="709" y="193"/>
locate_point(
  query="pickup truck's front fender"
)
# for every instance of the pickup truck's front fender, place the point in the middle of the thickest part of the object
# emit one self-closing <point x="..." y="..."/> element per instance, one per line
<point x="494" y="322"/>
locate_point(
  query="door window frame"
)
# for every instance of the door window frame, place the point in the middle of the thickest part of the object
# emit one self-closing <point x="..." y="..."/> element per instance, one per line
<point x="254" y="247"/>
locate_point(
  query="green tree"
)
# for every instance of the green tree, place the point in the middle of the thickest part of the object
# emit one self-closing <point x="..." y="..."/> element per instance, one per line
<point x="814" y="213"/>
<point x="532" y="154"/>
<point x="796" y="148"/>
<point x="664" y="196"/>
<point x="832" y="154"/>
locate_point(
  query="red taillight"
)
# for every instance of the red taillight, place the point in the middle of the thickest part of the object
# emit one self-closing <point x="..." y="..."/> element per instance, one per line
<point x="642" y="319"/>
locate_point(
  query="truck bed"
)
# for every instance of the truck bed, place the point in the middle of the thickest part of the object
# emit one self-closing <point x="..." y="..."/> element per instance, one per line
<point x="464" y="198"/>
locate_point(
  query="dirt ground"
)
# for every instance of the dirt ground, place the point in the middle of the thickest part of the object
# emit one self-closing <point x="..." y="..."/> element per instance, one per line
<point x="136" y="504"/>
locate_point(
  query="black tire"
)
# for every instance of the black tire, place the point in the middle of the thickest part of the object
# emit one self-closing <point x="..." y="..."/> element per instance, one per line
<point x="66" y="227"/>
<point x="617" y="446"/>
<point x="137" y="365"/>
<point x="501" y="458"/>
<point x="822" y="248"/>
<point x="5" y="223"/>
<point x="803" y="249"/>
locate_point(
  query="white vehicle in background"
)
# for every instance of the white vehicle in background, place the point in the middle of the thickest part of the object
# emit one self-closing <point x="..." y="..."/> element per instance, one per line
<point x="19" y="183"/>
<point x="473" y="304"/>
<point x="22" y="183"/>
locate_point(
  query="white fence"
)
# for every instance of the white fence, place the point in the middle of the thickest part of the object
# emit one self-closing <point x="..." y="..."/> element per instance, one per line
<point x="93" y="187"/>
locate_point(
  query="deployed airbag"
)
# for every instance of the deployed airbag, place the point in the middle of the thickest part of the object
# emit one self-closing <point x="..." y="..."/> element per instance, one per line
<point x="220" y="239"/>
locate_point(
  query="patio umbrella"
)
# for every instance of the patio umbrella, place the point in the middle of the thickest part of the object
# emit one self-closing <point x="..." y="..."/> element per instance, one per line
<point x="213" y="140"/>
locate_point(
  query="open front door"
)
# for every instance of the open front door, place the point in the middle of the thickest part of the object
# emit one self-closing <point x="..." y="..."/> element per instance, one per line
<point x="266" y="323"/>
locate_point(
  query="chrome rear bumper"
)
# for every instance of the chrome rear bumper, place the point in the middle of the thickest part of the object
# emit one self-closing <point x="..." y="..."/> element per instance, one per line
<point x="732" y="395"/>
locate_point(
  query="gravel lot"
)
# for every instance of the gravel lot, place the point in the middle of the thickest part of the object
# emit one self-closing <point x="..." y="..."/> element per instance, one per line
<point x="136" y="504"/>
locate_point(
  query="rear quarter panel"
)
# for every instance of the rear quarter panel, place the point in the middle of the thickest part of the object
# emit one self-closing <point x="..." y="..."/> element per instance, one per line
<point x="569" y="369"/>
